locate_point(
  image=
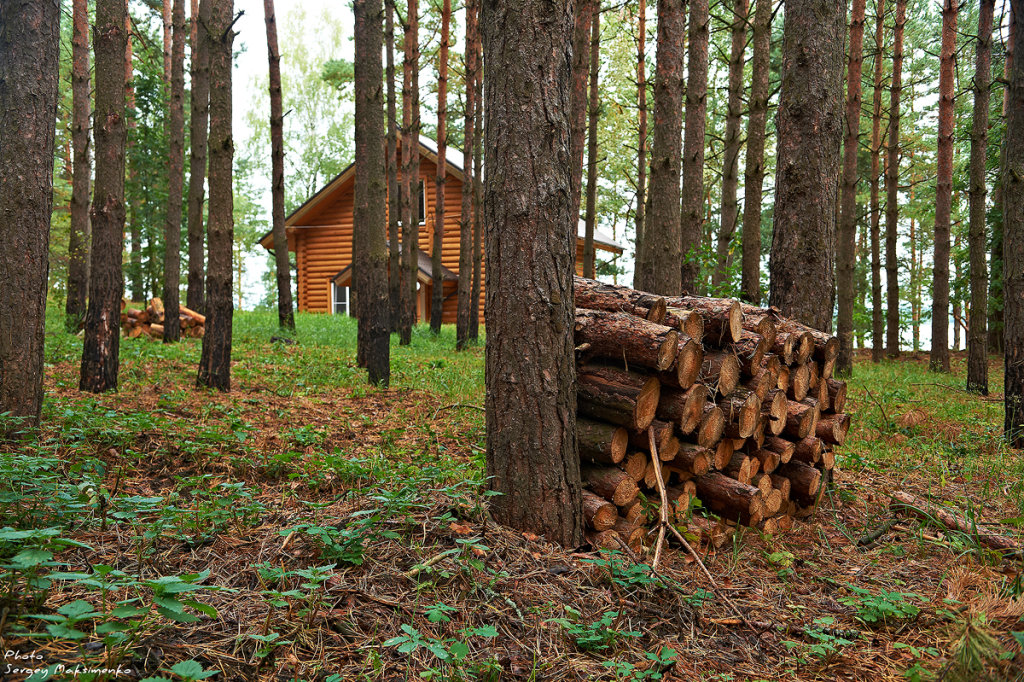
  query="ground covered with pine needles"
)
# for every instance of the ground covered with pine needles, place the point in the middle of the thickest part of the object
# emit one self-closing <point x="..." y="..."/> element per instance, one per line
<point x="308" y="527"/>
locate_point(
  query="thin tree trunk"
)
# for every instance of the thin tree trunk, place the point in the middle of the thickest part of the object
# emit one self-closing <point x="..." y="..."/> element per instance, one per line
<point x="731" y="162"/>
<point x="582" y="20"/>
<point x="877" y="321"/>
<point x="285" y="312"/>
<point x="754" y="173"/>
<point x="29" y="43"/>
<point x="437" y="292"/>
<point x="215" y="361"/>
<point x="1013" y="232"/>
<point x="657" y="266"/>
<point x="106" y="283"/>
<point x="411" y="171"/>
<point x="809" y="131"/>
<point x="641" y="93"/>
<point x="138" y="291"/>
<point x="176" y="178"/>
<point x="531" y="244"/>
<point x="691" y="213"/>
<point x="892" y="175"/>
<point x="198" y="132"/>
<point x="846" y="238"/>
<point x="465" y="301"/>
<point x="166" y="16"/>
<point x="478" y="187"/>
<point x="80" y="232"/>
<point x="977" y="334"/>
<point x="369" y="251"/>
<point x="594" y="111"/>
<point x="394" y="205"/>
<point x="995" y="282"/>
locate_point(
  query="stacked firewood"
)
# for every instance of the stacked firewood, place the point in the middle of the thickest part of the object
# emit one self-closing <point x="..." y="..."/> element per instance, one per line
<point x="707" y="398"/>
<point x="149" y="321"/>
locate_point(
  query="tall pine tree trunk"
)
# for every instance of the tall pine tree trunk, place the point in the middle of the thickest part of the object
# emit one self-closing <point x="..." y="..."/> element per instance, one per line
<point x="892" y="176"/>
<point x="657" y="266"/>
<point x="478" y="187"/>
<point x="176" y="178"/>
<point x="995" y="282"/>
<point x="641" y="98"/>
<point x="754" y="174"/>
<point x="198" y="133"/>
<point x="1013" y="231"/>
<point x="594" y="111"/>
<point x="437" y="291"/>
<point x="167" y="20"/>
<point x="411" y="172"/>
<point x="582" y="19"/>
<point x="691" y="205"/>
<point x="846" y="237"/>
<point x="465" y="285"/>
<point x="391" y="158"/>
<point x="29" y="40"/>
<point x="369" y="251"/>
<point x="877" y="321"/>
<point x="809" y="130"/>
<point x="138" y="291"/>
<point x="977" y="334"/>
<point x="731" y="162"/>
<point x="282" y="262"/>
<point x="531" y="244"/>
<point x="215" y="361"/>
<point x="80" y="232"/>
<point x="106" y="284"/>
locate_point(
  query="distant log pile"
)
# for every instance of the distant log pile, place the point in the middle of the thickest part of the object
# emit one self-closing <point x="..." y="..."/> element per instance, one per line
<point x="739" y="402"/>
<point x="149" y="321"/>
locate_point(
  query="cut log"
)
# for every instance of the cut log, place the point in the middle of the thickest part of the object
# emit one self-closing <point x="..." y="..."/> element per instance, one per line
<point x="155" y="310"/>
<point x="763" y="482"/>
<point x="632" y="534"/>
<point x="192" y="315"/>
<point x="685" y="369"/>
<point x="708" y="531"/>
<point x="769" y="526"/>
<point x="836" y="395"/>
<point x="685" y="409"/>
<point x="598" y="513"/>
<point x="799" y="382"/>
<point x="750" y="350"/>
<point x="720" y="371"/>
<point x="634" y="512"/>
<point x="610" y="483"/>
<point x="784" y="521"/>
<point x="784" y="374"/>
<point x="761" y="321"/>
<point x="823" y="346"/>
<point x="729" y="498"/>
<point x="689" y="322"/>
<point x="712" y="425"/>
<point x="800" y="420"/>
<point x="768" y="460"/>
<point x="635" y="465"/>
<point x="808" y="450"/>
<point x="599" y="442"/>
<point x="615" y="298"/>
<point x="650" y="479"/>
<point x="782" y="484"/>
<point x="780" y="446"/>
<point x="664" y="438"/>
<point x="740" y="467"/>
<point x="775" y="407"/>
<point x="156" y="331"/>
<point x="694" y="459"/>
<point x="617" y="396"/>
<point x="805" y="481"/>
<point x="605" y="539"/>
<point x="723" y="318"/>
<point x="785" y="346"/>
<point x="723" y="453"/>
<point x="741" y="410"/>
<point x="951" y="519"/>
<point x="679" y="501"/>
<point x="828" y="459"/>
<point x="832" y="428"/>
<point x="627" y="339"/>
<point x="765" y="380"/>
<point x="814" y="405"/>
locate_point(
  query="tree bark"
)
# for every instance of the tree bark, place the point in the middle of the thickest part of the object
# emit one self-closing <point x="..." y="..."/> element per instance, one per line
<point x="691" y="212"/>
<point x="641" y="93"/>
<point x="465" y="285"/>
<point x="939" y="357"/>
<point x="977" y="339"/>
<point x="615" y="298"/>
<point x="166" y="15"/>
<point x="619" y="337"/>
<point x="657" y="265"/>
<point x="29" y="40"/>
<point x="1013" y="250"/>
<point x="731" y="161"/>
<point x="583" y="17"/>
<point x="618" y="396"/>
<point x="138" y="292"/>
<point x="809" y="130"/>
<point x="198" y="133"/>
<point x="892" y="332"/>
<point x="478" y="191"/>
<point x="877" y="321"/>
<point x="80" y="232"/>
<point x="394" y="205"/>
<point x="410" y="172"/>
<point x="531" y="246"/>
<point x="369" y="250"/>
<point x="846" y="238"/>
<point x="995" y="282"/>
<point x="106" y="283"/>
<point x="176" y="177"/>
<point x="215" y="361"/>
<point x="282" y="263"/>
<point x="437" y="287"/>
<point x="594" y="112"/>
<point x="754" y="174"/>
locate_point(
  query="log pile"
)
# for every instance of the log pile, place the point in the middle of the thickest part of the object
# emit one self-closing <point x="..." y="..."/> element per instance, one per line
<point x="149" y="321"/>
<point x="739" y="402"/>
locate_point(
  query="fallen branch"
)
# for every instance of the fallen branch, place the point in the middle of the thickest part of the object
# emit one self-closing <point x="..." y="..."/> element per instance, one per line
<point x="869" y="538"/>
<point x="927" y="511"/>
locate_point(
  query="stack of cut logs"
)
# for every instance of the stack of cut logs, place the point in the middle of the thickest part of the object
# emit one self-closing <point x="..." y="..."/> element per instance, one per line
<point x="149" y="321"/>
<point x="738" y="401"/>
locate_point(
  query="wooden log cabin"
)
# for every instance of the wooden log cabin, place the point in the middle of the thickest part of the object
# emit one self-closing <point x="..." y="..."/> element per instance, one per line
<point x="320" y="234"/>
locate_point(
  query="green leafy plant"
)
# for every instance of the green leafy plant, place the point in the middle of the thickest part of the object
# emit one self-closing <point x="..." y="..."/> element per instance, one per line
<point x="881" y="608"/>
<point x="824" y="642"/>
<point x="658" y="662"/>
<point x="597" y="635"/>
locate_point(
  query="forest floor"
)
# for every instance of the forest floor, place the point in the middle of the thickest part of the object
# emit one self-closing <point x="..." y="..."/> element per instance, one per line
<point x="307" y="527"/>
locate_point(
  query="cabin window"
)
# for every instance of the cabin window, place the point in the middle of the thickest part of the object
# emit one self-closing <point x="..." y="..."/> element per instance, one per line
<point x="340" y="298"/>
<point x="423" y="202"/>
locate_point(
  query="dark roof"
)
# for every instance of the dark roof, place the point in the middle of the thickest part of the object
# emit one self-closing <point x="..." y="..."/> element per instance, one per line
<point x="424" y="266"/>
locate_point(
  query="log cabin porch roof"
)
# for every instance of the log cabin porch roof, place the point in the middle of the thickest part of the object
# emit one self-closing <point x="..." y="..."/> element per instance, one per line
<point x="423" y="272"/>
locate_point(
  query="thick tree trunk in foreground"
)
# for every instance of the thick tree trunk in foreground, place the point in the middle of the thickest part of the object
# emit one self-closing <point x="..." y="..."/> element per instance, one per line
<point x="754" y="174"/>
<point x="846" y="238"/>
<point x="215" y="361"/>
<point x="394" y="205"/>
<point x="731" y="163"/>
<point x="106" y="283"/>
<point x="810" y="128"/>
<point x="369" y="250"/>
<point x="410" y="171"/>
<point x="285" y="313"/>
<point x="594" y="111"/>
<point x="939" y="359"/>
<point x="892" y="175"/>
<point x="80" y="234"/>
<point x="531" y="247"/>
<point x="1013" y="234"/>
<point x="977" y="339"/>
<point x="465" y="284"/>
<point x="437" y="292"/>
<point x="198" y="132"/>
<point x="176" y="178"/>
<point x="657" y="265"/>
<point x="641" y="99"/>
<point x="877" y="322"/>
<point x="29" y="39"/>
<point x="582" y="19"/>
<point x="691" y="213"/>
